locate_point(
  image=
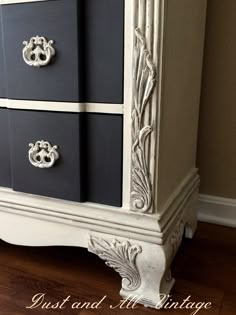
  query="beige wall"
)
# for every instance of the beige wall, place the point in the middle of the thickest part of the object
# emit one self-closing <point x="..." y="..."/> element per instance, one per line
<point x="217" y="131"/>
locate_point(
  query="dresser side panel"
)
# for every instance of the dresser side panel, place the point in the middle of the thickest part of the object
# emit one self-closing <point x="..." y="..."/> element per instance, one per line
<point x="182" y="69"/>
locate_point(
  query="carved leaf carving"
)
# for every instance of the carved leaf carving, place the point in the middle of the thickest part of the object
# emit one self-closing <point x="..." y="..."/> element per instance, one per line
<point x="121" y="256"/>
<point x="144" y="78"/>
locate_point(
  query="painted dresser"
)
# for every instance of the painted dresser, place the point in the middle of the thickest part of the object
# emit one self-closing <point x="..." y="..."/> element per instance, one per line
<point x="99" y="105"/>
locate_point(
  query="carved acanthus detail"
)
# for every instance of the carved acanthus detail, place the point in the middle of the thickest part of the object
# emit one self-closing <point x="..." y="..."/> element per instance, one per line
<point x="144" y="78"/>
<point x="121" y="256"/>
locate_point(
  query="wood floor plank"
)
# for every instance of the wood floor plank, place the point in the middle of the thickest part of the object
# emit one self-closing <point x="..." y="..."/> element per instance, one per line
<point x="209" y="258"/>
<point x="229" y="304"/>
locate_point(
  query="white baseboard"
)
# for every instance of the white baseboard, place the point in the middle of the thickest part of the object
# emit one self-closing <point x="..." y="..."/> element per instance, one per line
<point x="217" y="210"/>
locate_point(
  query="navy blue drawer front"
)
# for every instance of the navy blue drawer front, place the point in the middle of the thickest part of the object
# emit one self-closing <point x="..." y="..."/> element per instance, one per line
<point x="2" y="70"/>
<point x="5" y="161"/>
<point x="88" y="40"/>
<point x="89" y="167"/>
<point x="104" y="157"/>
<point x="63" y="180"/>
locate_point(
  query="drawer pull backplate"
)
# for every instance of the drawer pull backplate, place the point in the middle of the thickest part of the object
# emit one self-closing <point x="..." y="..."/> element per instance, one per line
<point x="42" y="154"/>
<point x="38" y="52"/>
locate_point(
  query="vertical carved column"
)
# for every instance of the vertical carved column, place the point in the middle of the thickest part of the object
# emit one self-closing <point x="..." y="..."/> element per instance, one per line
<point x="144" y="117"/>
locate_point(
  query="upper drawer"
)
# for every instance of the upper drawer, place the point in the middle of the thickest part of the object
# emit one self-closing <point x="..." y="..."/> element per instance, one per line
<point x="87" y="38"/>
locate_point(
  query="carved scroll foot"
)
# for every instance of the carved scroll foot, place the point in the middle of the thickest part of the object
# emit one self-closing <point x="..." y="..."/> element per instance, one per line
<point x="143" y="267"/>
<point x="156" y="280"/>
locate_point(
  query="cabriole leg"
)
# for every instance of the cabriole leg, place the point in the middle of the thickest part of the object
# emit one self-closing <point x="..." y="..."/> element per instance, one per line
<point x="144" y="267"/>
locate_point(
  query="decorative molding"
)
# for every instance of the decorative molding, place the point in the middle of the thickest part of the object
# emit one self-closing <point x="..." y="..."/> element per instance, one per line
<point x="144" y="82"/>
<point x="121" y="256"/>
<point x="101" y="218"/>
<point x="38" y="52"/>
<point x="42" y="154"/>
<point x="217" y="210"/>
<point x="94" y="217"/>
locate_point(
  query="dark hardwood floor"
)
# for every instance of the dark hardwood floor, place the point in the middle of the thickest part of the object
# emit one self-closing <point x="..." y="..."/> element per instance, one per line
<point x="204" y="268"/>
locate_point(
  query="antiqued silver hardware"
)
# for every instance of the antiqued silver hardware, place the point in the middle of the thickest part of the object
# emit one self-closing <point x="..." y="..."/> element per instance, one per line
<point x="38" y="52"/>
<point x="42" y="154"/>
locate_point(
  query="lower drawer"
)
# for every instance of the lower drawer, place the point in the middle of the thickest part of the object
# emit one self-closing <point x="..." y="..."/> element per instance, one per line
<point x="34" y="171"/>
<point x="69" y="156"/>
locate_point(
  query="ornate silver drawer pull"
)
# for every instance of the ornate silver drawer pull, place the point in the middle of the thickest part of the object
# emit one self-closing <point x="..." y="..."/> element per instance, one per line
<point x="42" y="154"/>
<point x="38" y="52"/>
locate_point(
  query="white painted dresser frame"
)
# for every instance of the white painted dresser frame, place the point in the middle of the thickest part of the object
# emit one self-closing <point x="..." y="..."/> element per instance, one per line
<point x="138" y="240"/>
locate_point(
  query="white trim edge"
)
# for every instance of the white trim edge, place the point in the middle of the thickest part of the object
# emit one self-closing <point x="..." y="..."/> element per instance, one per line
<point x="105" y="108"/>
<point x="217" y="210"/>
<point x="3" y="102"/>
<point x="18" y="1"/>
